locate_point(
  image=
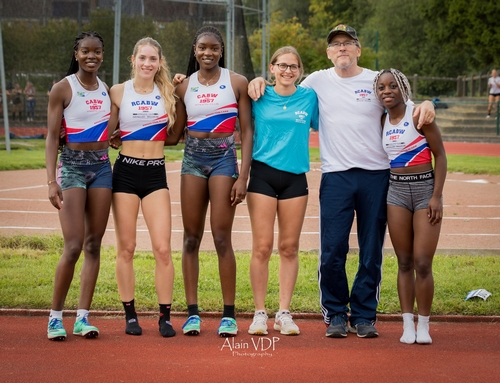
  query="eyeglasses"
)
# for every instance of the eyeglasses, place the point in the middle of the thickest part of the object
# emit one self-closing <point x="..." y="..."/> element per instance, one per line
<point x="347" y="44"/>
<point x="283" y="67"/>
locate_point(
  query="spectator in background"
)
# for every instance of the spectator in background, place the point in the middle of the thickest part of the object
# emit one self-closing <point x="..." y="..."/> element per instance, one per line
<point x="16" y="101"/>
<point x="30" y="94"/>
<point x="494" y="91"/>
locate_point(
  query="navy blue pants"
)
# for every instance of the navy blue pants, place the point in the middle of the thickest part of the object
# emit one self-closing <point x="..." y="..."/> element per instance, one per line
<point x="342" y="194"/>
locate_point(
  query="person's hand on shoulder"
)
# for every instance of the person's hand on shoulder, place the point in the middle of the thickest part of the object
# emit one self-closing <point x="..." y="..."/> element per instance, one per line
<point x="425" y="112"/>
<point x="256" y="88"/>
<point x="178" y="78"/>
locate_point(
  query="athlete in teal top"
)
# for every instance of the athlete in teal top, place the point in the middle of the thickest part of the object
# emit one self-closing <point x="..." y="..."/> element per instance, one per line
<point x="278" y="184"/>
<point x="281" y="137"/>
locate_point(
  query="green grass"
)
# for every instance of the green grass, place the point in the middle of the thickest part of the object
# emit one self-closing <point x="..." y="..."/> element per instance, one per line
<point x="28" y="263"/>
<point x="29" y="154"/>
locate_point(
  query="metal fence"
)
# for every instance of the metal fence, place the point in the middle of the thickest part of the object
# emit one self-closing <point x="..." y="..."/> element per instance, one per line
<point x="460" y="86"/>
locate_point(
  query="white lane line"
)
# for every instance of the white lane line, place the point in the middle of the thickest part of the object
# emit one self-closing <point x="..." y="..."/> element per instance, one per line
<point x="238" y="216"/>
<point x="180" y="231"/>
<point x="24" y="188"/>
<point x="47" y="200"/>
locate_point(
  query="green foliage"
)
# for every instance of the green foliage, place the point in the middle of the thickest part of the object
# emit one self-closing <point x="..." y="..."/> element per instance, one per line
<point x="471" y="27"/>
<point x="438" y="38"/>
<point x="283" y="32"/>
<point x="292" y="9"/>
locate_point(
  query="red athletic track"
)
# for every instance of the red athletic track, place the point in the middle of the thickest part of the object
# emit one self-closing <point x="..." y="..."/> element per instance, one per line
<point x="461" y="352"/>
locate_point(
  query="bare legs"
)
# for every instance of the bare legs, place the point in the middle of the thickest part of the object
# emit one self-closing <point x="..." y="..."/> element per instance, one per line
<point x="196" y="192"/>
<point x="290" y="212"/>
<point x="415" y="241"/>
<point x="83" y="221"/>
<point x="492" y="100"/>
<point x="157" y="214"/>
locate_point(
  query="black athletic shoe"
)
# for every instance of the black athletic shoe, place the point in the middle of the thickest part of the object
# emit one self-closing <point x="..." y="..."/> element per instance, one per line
<point x="166" y="329"/>
<point x="364" y="330"/>
<point x="133" y="327"/>
<point x="337" y="327"/>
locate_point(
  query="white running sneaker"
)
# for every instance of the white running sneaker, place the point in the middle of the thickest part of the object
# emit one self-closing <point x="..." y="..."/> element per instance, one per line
<point x="259" y="325"/>
<point x="284" y="324"/>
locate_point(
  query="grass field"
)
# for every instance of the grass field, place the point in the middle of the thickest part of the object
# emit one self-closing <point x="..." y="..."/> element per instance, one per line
<point x="27" y="266"/>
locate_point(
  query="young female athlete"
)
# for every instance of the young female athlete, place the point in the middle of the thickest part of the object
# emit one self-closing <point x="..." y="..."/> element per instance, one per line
<point x="146" y="111"/>
<point x="278" y="184"/>
<point x="414" y="199"/>
<point x="215" y="98"/>
<point x="77" y="120"/>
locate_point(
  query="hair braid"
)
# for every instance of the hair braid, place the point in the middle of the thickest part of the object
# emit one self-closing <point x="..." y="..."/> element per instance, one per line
<point x="193" y="65"/>
<point x="73" y="66"/>
<point x="401" y="81"/>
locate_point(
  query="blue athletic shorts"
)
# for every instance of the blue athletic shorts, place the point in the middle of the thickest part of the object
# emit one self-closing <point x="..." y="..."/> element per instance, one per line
<point x="275" y="183"/>
<point x="207" y="157"/>
<point x="84" y="169"/>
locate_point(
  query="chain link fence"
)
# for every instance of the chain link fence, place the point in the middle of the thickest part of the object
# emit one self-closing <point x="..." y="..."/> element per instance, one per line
<point x="38" y="37"/>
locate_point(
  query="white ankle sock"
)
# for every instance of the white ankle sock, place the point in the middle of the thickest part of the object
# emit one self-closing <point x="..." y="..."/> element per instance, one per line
<point x="80" y="313"/>
<point x="408" y="329"/>
<point x="423" y="336"/>
<point x="55" y="314"/>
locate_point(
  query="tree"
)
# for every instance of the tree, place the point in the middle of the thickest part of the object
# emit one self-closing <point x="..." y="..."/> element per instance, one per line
<point x="468" y="28"/>
<point x="284" y="32"/>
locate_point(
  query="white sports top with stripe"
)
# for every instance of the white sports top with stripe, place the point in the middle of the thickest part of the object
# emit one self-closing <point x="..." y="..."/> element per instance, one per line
<point x="404" y="145"/>
<point x="211" y="109"/>
<point x="86" y="117"/>
<point x="142" y="116"/>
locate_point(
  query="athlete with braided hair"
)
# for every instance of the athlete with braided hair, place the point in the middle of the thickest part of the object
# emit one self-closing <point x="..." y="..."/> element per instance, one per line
<point x="215" y="98"/>
<point x="414" y="199"/>
<point x="77" y="121"/>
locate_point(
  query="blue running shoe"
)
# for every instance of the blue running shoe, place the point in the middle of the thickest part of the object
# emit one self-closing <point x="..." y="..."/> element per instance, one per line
<point x="55" y="330"/>
<point x="227" y="327"/>
<point x="192" y="325"/>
